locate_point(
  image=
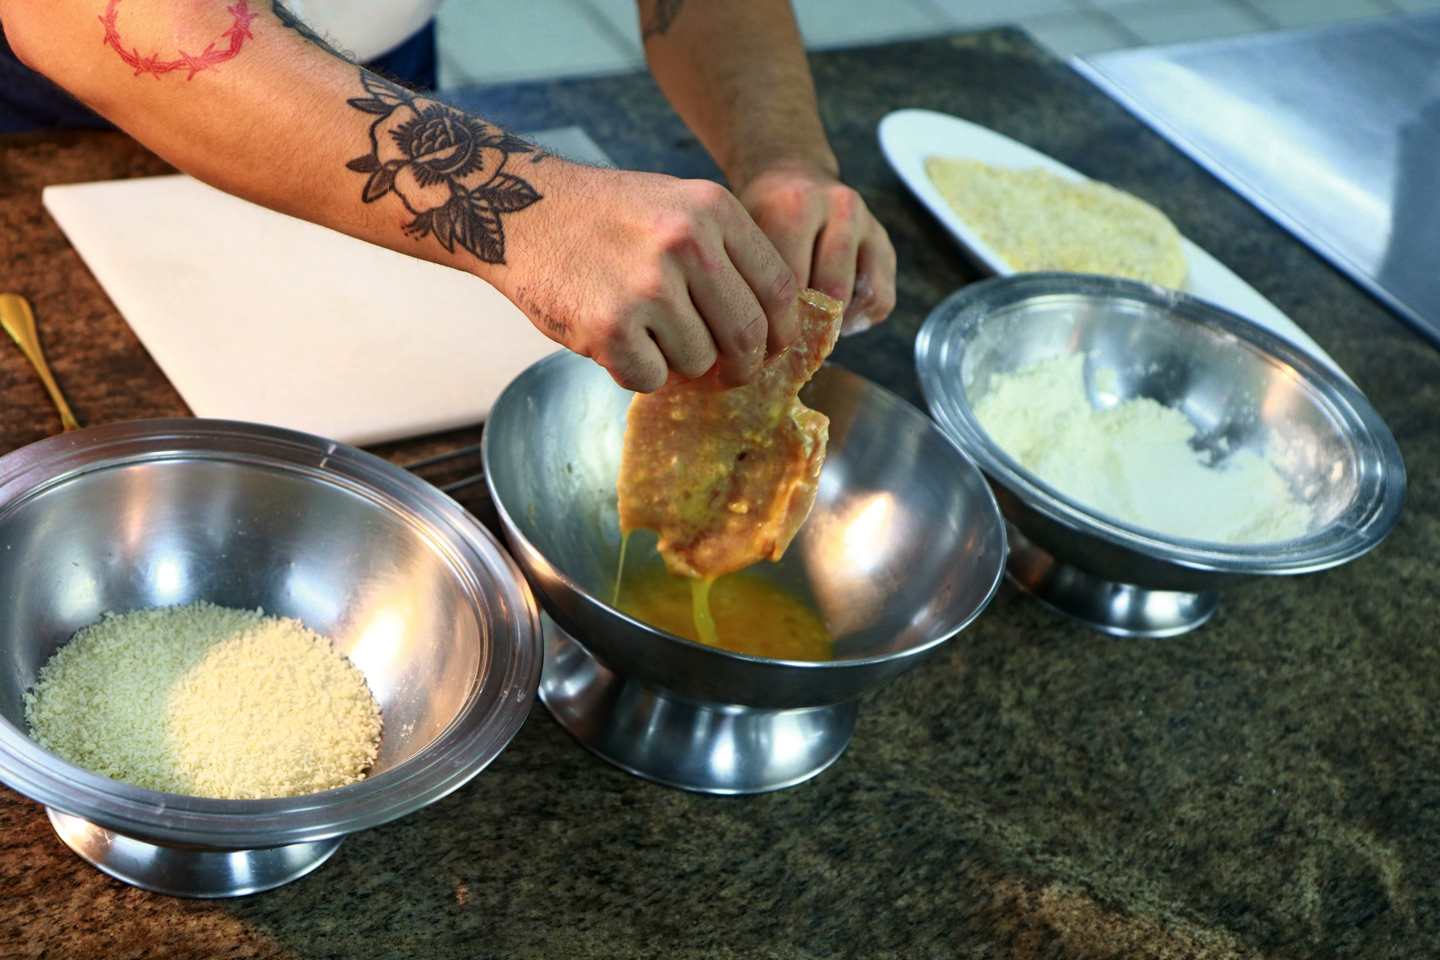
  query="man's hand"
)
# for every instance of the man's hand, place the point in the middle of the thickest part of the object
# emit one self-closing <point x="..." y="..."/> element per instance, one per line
<point x="828" y="237"/>
<point x="736" y="71"/>
<point x="648" y="274"/>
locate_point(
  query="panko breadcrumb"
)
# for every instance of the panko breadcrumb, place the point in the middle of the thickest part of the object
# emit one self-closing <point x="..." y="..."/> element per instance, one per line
<point x="207" y="701"/>
<point x="1038" y="221"/>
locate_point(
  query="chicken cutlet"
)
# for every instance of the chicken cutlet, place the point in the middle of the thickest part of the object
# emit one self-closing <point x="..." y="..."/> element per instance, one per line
<point x="726" y="477"/>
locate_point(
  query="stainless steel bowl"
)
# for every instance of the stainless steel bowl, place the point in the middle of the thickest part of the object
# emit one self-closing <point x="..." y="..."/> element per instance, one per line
<point x="155" y="513"/>
<point x="904" y="547"/>
<point x="1242" y="387"/>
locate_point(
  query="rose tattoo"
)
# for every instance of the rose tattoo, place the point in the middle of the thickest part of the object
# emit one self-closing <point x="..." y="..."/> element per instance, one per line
<point x="447" y="167"/>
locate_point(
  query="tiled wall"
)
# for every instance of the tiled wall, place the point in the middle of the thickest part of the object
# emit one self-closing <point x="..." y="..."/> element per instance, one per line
<point x="500" y="41"/>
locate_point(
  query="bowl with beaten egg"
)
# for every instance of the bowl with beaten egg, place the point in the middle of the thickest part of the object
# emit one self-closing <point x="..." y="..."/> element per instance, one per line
<point x="903" y="548"/>
<point x="1150" y="450"/>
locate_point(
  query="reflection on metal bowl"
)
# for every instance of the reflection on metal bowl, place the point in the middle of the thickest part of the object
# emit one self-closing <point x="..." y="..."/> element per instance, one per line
<point x="1242" y="387"/>
<point x="904" y="548"/>
<point x="405" y="583"/>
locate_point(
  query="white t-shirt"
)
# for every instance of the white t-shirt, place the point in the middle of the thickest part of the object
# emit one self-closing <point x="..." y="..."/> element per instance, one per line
<point x="365" y="28"/>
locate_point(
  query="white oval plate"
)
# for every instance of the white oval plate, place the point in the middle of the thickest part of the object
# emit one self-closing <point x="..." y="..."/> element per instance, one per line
<point x="908" y="137"/>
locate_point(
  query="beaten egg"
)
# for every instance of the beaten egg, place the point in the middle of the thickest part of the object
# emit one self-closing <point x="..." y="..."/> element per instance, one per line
<point x="749" y="615"/>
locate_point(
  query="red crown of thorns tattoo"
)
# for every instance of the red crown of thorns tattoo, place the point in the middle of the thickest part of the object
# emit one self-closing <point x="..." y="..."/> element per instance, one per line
<point x="238" y="33"/>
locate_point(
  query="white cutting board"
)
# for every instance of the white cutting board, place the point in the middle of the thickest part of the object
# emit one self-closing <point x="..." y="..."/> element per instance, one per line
<point x="257" y="316"/>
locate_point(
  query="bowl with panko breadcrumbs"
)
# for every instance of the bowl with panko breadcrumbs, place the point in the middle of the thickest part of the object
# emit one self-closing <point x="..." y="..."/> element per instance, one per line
<point x="1150" y="450"/>
<point x="227" y="646"/>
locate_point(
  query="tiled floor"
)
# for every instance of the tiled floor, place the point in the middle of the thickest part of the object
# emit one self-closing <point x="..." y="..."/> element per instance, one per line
<point x="499" y="41"/>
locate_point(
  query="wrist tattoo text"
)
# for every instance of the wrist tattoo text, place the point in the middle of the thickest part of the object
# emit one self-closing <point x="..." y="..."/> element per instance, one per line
<point x="662" y="18"/>
<point x="557" y="328"/>
<point x="225" y="47"/>
<point x="446" y="166"/>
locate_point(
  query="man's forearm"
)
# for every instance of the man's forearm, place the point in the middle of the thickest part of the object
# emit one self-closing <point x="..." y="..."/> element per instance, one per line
<point x="736" y="71"/>
<point x="248" y="99"/>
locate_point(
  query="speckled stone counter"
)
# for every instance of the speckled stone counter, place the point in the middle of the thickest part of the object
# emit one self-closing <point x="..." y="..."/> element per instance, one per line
<point x="1267" y="786"/>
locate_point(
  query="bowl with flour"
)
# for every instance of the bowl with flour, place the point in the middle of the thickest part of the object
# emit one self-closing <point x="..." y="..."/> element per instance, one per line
<point x="116" y="534"/>
<point x="1149" y="449"/>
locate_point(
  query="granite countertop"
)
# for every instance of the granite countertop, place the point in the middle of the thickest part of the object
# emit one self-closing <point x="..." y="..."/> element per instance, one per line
<point x="1267" y="786"/>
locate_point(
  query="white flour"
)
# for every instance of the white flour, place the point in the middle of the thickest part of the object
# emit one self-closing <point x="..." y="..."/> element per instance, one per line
<point x="1134" y="461"/>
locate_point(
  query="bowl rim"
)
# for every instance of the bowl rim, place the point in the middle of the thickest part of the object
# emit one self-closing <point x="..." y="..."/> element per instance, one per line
<point x="951" y="326"/>
<point x="541" y="368"/>
<point x="492" y="713"/>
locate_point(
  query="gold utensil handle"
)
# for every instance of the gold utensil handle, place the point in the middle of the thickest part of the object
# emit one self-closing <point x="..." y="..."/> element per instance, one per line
<point x="19" y="322"/>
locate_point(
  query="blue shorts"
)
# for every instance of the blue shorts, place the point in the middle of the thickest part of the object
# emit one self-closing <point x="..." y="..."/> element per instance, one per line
<point x="28" y="101"/>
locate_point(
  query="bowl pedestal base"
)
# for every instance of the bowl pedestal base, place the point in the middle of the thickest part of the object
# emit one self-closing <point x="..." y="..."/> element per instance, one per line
<point x="183" y="872"/>
<point x="680" y="741"/>
<point x="1121" y="609"/>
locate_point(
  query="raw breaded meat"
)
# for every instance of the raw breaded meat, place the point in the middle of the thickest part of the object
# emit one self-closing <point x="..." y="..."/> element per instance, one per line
<point x="726" y="477"/>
